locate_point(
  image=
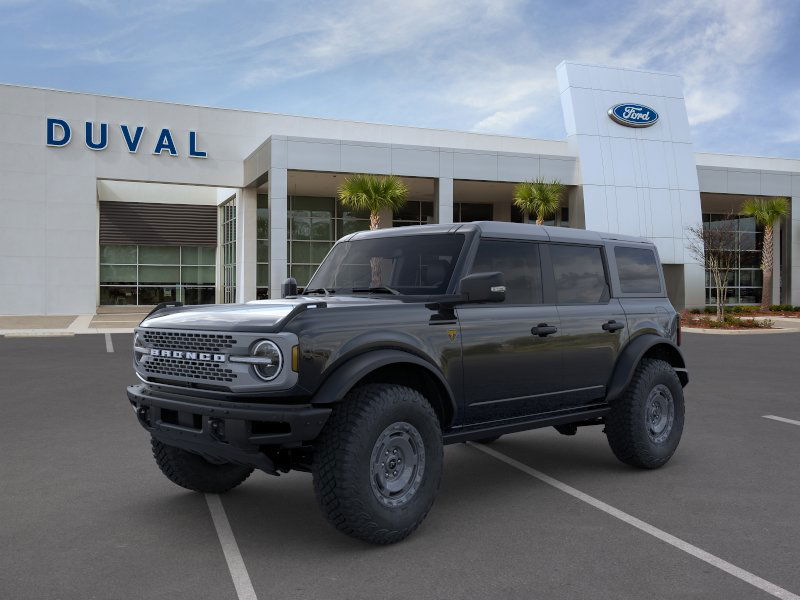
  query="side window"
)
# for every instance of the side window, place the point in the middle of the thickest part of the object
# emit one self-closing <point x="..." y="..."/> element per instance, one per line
<point x="638" y="271"/>
<point x="579" y="274"/>
<point x="519" y="264"/>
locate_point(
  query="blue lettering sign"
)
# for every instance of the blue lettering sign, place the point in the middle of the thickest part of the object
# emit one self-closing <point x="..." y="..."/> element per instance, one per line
<point x="64" y="134"/>
<point x="633" y="115"/>
<point x="132" y="142"/>
<point x="193" y="151"/>
<point x="90" y="143"/>
<point x="165" y="143"/>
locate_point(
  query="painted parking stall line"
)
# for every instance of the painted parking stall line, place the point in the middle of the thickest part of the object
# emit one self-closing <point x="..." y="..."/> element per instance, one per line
<point x="731" y="569"/>
<point x="236" y="566"/>
<point x="782" y="419"/>
<point x="109" y="343"/>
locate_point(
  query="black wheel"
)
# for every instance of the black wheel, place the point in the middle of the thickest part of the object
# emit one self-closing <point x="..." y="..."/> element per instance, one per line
<point x="489" y="440"/>
<point x="194" y="472"/>
<point x="378" y="462"/>
<point x="645" y="425"/>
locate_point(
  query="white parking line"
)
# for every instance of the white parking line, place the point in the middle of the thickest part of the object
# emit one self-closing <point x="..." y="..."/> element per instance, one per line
<point x="109" y="343"/>
<point x="782" y="419"/>
<point x="715" y="561"/>
<point x="241" y="580"/>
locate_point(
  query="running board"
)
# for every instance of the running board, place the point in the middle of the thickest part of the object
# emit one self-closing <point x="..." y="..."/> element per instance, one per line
<point x="476" y="433"/>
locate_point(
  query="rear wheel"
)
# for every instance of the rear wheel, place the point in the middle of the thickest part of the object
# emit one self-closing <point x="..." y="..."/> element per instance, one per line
<point x="194" y="472"/>
<point x="378" y="463"/>
<point x="645" y="426"/>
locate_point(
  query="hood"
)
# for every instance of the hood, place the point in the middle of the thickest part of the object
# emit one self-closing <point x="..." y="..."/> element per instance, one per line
<point x="259" y="315"/>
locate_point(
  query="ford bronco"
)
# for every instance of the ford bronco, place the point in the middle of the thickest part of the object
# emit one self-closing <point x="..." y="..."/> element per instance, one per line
<point x="407" y="339"/>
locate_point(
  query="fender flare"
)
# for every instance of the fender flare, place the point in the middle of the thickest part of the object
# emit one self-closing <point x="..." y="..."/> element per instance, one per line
<point x="345" y="376"/>
<point x="632" y="354"/>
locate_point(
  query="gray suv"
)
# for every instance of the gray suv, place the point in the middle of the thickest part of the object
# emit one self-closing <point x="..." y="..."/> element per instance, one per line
<point x="405" y="340"/>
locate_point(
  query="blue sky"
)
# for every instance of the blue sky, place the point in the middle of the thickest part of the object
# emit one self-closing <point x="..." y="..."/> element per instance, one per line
<point x="479" y="65"/>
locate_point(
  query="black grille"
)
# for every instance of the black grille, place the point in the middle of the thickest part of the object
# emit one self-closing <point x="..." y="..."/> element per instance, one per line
<point x="195" y="369"/>
<point x="200" y="342"/>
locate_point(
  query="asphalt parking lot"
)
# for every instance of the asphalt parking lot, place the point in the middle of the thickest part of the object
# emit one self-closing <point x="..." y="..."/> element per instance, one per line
<point x="85" y="513"/>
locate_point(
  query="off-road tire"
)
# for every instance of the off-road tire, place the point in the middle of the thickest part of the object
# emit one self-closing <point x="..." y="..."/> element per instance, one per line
<point x="627" y="426"/>
<point x="343" y="462"/>
<point x="195" y="473"/>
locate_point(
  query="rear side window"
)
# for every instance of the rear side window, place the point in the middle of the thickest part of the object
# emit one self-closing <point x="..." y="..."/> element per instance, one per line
<point x="638" y="270"/>
<point x="579" y="274"/>
<point x="519" y="264"/>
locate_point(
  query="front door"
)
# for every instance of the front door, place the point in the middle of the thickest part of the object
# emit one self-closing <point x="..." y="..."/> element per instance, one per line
<point x="511" y="356"/>
<point x="593" y="325"/>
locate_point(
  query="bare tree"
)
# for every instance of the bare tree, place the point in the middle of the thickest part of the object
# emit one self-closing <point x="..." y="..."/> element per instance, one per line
<point x="714" y="246"/>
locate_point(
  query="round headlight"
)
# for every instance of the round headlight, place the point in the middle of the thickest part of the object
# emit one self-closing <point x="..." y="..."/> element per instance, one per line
<point x="268" y="368"/>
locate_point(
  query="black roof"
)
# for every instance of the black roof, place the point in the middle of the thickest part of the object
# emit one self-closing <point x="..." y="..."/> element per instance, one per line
<point x="503" y="229"/>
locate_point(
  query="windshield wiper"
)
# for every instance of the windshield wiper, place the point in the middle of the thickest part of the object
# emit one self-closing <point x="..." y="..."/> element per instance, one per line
<point x="320" y="290"/>
<point x="378" y="289"/>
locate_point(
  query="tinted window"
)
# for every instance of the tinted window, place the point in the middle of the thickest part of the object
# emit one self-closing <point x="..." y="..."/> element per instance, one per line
<point x="638" y="271"/>
<point x="410" y="264"/>
<point x="580" y="277"/>
<point x="519" y="264"/>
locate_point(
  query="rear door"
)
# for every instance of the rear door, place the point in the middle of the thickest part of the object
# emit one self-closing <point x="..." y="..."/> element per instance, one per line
<point x="593" y="325"/>
<point x="511" y="358"/>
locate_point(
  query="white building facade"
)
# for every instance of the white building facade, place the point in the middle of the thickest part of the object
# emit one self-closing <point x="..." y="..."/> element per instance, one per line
<point x="117" y="201"/>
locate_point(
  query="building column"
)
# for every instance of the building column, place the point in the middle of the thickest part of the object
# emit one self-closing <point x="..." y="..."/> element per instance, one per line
<point x="387" y="218"/>
<point x="246" y="205"/>
<point x="443" y="194"/>
<point x="278" y="234"/>
<point x="776" y="264"/>
<point x="793" y="270"/>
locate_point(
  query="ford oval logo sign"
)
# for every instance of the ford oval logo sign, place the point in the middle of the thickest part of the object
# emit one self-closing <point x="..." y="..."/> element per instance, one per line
<point x="633" y="115"/>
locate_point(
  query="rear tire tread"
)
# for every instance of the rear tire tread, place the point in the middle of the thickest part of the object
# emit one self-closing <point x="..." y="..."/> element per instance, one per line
<point x="624" y="424"/>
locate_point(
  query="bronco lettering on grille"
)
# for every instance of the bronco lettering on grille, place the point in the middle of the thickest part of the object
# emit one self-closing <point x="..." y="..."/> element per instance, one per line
<point x="204" y="356"/>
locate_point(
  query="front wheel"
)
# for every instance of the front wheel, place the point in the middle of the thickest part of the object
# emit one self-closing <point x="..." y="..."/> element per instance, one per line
<point x="378" y="463"/>
<point x="646" y="423"/>
<point x="193" y="472"/>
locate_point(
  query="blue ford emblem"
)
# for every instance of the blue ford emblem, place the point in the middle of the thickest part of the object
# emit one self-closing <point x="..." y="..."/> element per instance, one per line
<point x="633" y="115"/>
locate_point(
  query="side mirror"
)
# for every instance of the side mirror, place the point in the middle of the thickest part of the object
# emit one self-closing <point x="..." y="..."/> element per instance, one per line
<point x="289" y="287"/>
<point x="483" y="287"/>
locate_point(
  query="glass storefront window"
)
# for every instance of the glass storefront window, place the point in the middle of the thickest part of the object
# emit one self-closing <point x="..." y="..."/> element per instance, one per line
<point x="414" y="213"/>
<point x="315" y="223"/>
<point x="152" y="274"/>
<point x="262" y="247"/>
<point x="227" y="228"/>
<point x="745" y="280"/>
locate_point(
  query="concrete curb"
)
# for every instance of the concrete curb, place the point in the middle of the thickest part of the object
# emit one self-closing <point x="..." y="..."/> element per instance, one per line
<point x="736" y="331"/>
<point x="19" y="333"/>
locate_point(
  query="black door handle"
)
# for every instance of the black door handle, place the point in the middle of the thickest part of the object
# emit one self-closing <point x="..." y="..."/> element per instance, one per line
<point x="543" y="330"/>
<point x="612" y="326"/>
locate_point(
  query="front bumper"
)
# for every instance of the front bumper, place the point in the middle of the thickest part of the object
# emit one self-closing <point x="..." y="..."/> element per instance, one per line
<point x="226" y="431"/>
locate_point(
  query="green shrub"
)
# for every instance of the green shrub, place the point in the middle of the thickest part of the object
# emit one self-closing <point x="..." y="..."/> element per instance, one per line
<point x="710" y="310"/>
<point x="783" y="308"/>
<point x="695" y="311"/>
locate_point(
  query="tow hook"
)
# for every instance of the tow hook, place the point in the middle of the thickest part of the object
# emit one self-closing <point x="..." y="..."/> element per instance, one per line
<point x="142" y="413"/>
<point x="217" y="429"/>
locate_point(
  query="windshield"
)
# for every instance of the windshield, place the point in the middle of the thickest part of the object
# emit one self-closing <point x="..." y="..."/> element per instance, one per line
<point x="411" y="264"/>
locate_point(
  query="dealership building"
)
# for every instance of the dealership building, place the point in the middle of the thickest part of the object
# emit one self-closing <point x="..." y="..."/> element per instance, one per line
<point x="113" y="201"/>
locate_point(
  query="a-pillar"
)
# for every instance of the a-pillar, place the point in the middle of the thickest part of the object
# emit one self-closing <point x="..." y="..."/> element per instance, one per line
<point x="278" y="263"/>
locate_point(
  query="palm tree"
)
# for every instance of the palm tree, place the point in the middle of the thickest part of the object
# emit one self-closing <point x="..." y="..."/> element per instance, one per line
<point x="766" y="211"/>
<point x="373" y="193"/>
<point x="539" y="197"/>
